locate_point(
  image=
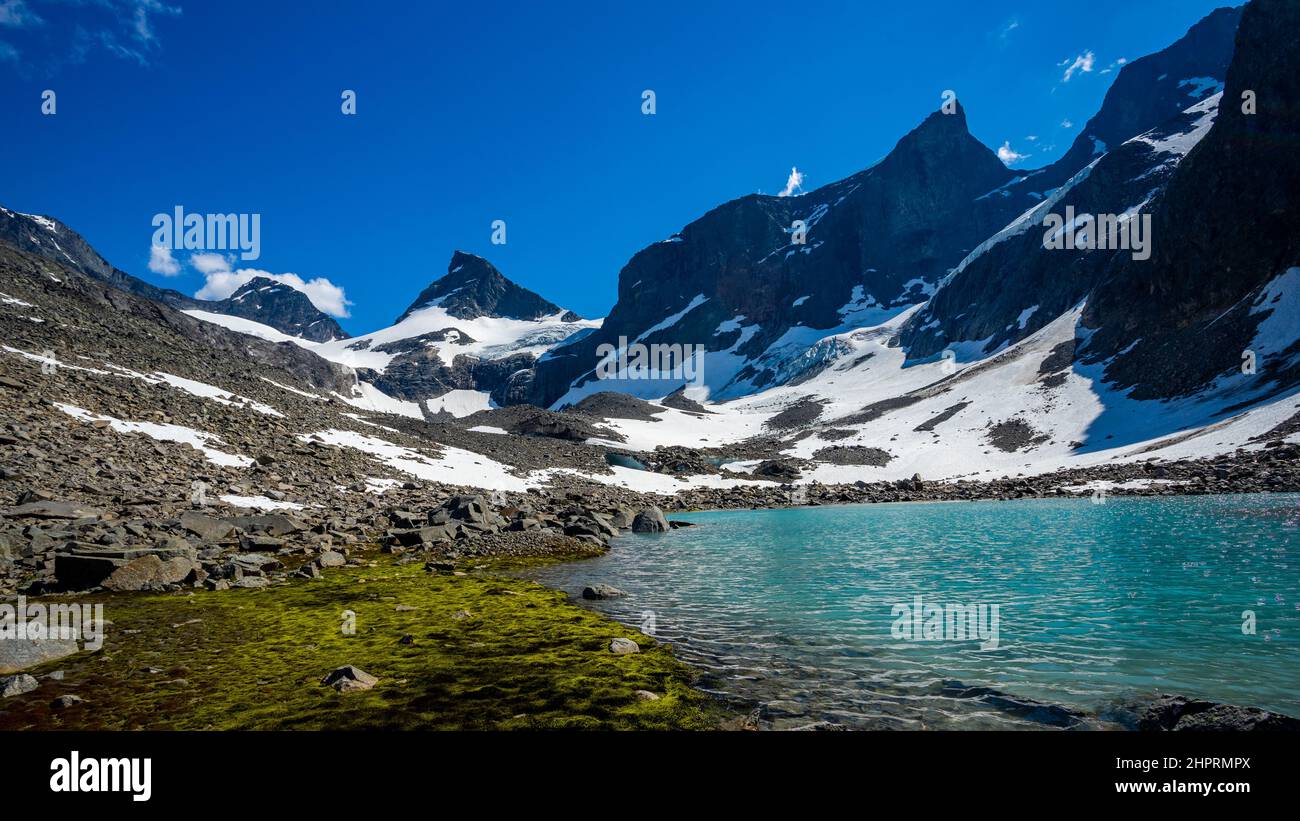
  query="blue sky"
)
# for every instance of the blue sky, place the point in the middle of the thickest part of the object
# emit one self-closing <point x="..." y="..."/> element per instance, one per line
<point x="524" y="112"/>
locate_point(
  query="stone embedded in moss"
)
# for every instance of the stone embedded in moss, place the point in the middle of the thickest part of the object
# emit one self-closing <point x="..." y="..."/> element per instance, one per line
<point x="348" y="678"/>
<point x="624" y="646"/>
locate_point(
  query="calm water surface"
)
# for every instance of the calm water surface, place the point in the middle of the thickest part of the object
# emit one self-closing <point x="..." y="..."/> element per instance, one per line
<point x="794" y="609"/>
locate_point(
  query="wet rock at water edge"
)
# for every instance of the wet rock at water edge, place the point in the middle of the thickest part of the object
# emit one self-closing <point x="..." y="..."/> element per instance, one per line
<point x="1054" y="715"/>
<point x="1182" y="714"/>
<point x="348" y="679"/>
<point x="650" y="520"/>
<point x="602" y="591"/>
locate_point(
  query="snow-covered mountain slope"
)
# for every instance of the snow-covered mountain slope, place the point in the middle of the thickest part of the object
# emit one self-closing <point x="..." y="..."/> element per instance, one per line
<point x="468" y="342"/>
<point x="1078" y="357"/>
<point x="737" y="281"/>
<point x="472" y="337"/>
<point x="1025" y="410"/>
<point x="433" y="329"/>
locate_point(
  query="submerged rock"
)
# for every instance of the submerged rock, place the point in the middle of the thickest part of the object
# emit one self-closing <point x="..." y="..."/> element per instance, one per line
<point x="602" y="591"/>
<point x="1054" y="715"/>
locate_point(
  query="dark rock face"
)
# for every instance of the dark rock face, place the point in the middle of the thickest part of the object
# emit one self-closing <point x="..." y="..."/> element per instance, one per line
<point x="284" y="308"/>
<point x="421" y="374"/>
<point x="1227" y="224"/>
<point x="1182" y="714"/>
<point x="1016" y="285"/>
<point x="473" y="287"/>
<point x="874" y="239"/>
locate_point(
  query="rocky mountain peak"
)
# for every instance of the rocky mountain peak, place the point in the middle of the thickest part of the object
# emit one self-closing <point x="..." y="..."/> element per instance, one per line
<point x="473" y="287"/>
<point x="282" y="307"/>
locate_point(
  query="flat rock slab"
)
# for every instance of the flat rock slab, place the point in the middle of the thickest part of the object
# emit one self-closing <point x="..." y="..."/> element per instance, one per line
<point x="206" y="528"/>
<point x="53" y="510"/>
<point x="149" y="571"/>
<point x="20" y="654"/>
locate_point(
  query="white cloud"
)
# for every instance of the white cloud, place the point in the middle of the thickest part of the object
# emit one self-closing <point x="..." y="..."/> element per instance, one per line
<point x="1032" y="138"/>
<point x="209" y="263"/>
<point x="1067" y="124"/>
<point x="162" y="262"/>
<point x="1007" y="155"/>
<point x="16" y="14"/>
<point x="222" y="282"/>
<point x="793" y="185"/>
<point x="1082" y="64"/>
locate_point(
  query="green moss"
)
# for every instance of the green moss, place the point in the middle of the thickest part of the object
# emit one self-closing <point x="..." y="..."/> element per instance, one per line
<point x="525" y="658"/>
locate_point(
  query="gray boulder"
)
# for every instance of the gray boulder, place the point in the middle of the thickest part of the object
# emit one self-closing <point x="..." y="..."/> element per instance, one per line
<point x="650" y="520"/>
<point x="623" y="647"/>
<point x="17" y="685"/>
<point x="602" y="591"/>
<point x="148" y="572"/>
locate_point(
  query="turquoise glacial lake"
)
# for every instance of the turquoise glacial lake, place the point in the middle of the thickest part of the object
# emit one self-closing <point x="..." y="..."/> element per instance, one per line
<point x="1098" y="605"/>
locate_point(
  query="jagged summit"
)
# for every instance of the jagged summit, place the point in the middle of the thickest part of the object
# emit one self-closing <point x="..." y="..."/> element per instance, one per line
<point x="473" y="287"/>
<point x="284" y="308"/>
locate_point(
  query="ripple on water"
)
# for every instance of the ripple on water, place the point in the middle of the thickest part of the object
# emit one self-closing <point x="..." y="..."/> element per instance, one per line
<point x="1097" y="603"/>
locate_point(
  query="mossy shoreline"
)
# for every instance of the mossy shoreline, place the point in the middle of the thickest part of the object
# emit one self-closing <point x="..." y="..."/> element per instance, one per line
<point x="452" y="652"/>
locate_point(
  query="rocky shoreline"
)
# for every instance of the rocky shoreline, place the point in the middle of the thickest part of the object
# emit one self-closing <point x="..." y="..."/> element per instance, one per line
<point x="68" y="546"/>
